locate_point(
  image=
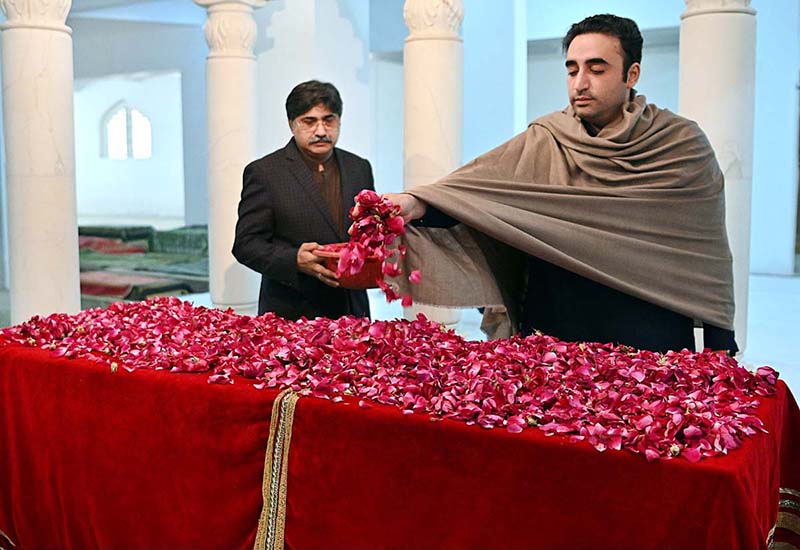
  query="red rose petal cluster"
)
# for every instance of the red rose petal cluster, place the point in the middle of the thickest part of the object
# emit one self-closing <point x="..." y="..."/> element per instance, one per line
<point x="376" y="225"/>
<point x="678" y="403"/>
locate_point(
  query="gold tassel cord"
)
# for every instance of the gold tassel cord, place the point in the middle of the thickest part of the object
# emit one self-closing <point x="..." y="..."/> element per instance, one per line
<point x="280" y="520"/>
<point x="271" y="523"/>
<point x="789" y="522"/>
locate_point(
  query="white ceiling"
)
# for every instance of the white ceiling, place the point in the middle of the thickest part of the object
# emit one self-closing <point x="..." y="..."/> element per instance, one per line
<point x="184" y="12"/>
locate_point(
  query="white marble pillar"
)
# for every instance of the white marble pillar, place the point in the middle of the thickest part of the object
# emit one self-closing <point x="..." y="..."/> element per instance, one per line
<point x="717" y="89"/>
<point x="40" y="158"/>
<point x="231" y="87"/>
<point x="433" y="77"/>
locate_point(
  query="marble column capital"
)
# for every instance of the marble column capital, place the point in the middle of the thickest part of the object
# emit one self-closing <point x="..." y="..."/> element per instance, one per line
<point x="230" y="29"/>
<point x="704" y="7"/>
<point x="36" y="14"/>
<point x="433" y="19"/>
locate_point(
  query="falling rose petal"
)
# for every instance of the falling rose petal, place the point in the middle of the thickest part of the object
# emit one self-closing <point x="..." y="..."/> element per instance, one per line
<point x="390" y="269"/>
<point x="415" y="277"/>
<point x="376" y="225"/>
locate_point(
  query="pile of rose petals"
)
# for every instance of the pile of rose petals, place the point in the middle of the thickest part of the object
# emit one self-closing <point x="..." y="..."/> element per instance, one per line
<point x="376" y="225"/>
<point x="661" y="405"/>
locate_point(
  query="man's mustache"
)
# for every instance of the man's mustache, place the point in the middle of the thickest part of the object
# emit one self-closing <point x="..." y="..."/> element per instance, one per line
<point x="323" y="139"/>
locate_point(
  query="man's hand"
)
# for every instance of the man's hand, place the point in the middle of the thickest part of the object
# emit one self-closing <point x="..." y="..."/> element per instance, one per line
<point x="311" y="264"/>
<point x="411" y="208"/>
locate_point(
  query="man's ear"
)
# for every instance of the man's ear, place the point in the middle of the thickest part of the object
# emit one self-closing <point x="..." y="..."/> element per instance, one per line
<point x="633" y="75"/>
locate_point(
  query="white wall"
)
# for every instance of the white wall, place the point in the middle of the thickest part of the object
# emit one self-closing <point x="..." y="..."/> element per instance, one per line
<point x="775" y="177"/>
<point x="105" y="47"/>
<point x="133" y="188"/>
<point x="387" y="104"/>
<point x="552" y="18"/>
<point x="387" y="29"/>
<point x="547" y="77"/>
<point x="495" y="73"/>
<point x="301" y="40"/>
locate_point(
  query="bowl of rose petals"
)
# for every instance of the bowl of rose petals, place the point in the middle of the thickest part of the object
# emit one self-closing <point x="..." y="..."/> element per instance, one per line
<point x="338" y="254"/>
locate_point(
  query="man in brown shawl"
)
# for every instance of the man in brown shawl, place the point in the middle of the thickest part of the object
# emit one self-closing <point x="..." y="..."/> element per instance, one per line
<point x="603" y="222"/>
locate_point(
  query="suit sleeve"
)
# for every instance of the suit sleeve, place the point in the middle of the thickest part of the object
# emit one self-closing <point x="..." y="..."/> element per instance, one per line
<point x="370" y="180"/>
<point x="255" y="244"/>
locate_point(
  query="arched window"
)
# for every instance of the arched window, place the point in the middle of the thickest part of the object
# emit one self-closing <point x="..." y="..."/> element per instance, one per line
<point x="127" y="133"/>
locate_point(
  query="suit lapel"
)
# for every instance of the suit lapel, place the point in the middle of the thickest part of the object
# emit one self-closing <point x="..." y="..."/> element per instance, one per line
<point x="306" y="180"/>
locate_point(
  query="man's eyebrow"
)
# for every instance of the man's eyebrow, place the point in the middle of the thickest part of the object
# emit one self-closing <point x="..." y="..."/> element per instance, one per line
<point x="592" y="61"/>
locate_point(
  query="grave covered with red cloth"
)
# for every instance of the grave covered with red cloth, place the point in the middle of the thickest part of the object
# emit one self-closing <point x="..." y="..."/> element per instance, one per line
<point x="96" y="456"/>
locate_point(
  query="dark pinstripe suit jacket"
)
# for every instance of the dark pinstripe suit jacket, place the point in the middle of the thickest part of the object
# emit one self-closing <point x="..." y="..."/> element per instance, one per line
<point x="281" y="208"/>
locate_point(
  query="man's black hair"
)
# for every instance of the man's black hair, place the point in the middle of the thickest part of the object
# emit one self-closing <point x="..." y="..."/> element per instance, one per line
<point x="612" y="25"/>
<point x="307" y="95"/>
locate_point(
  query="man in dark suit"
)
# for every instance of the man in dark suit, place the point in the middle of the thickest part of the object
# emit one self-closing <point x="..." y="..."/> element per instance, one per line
<point x="296" y="199"/>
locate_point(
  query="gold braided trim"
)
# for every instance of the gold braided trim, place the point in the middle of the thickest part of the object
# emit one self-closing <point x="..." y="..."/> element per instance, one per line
<point x="787" y="491"/>
<point x="789" y="504"/>
<point x="788" y="521"/>
<point x="269" y="535"/>
<point x="280" y="520"/>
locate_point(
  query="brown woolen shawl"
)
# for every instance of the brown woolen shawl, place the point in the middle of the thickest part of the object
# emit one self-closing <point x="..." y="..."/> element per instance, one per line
<point x="639" y="208"/>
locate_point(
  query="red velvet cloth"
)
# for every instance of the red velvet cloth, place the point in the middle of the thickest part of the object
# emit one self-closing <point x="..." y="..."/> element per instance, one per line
<point x="95" y="459"/>
<point x="406" y="482"/>
<point x="90" y="458"/>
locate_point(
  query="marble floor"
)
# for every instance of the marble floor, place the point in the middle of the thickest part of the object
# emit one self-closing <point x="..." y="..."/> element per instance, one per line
<point x="773" y="323"/>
